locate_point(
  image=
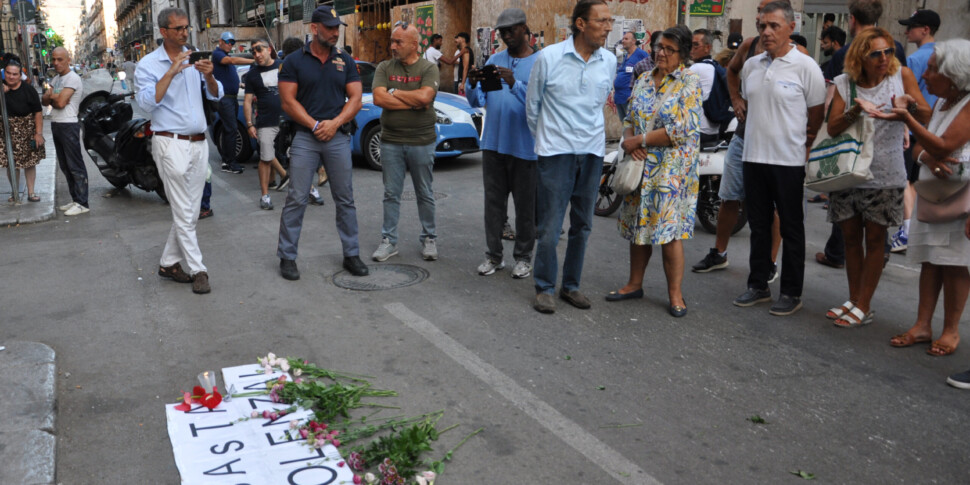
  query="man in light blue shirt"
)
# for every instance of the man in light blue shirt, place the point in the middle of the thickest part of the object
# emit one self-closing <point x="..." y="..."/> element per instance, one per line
<point x="170" y="90"/>
<point x="508" y="148"/>
<point x="567" y="89"/>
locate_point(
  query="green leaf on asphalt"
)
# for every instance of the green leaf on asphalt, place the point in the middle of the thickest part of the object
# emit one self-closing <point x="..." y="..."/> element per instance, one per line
<point x="601" y="388"/>
<point x="569" y="358"/>
<point x="757" y="419"/>
<point x="803" y="474"/>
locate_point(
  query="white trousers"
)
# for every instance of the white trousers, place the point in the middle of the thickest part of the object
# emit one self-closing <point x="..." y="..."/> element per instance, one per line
<point x="182" y="165"/>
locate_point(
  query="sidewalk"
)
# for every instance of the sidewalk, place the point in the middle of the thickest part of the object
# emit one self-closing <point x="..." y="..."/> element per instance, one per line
<point x="29" y="212"/>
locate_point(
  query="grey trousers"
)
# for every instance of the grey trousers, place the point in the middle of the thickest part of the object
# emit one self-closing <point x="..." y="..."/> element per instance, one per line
<point x="306" y="154"/>
<point x="503" y="175"/>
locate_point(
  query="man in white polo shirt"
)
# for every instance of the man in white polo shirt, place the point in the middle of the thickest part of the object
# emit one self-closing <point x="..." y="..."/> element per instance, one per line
<point x="785" y="94"/>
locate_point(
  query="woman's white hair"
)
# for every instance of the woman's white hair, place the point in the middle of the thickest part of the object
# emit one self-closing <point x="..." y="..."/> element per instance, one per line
<point x="953" y="61"/>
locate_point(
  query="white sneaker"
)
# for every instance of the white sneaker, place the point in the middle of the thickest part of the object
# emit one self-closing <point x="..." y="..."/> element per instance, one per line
<point x="522" y="269"/>
<point x="66" y="206"/>
<point x="77" y="209"/>
<point x="489" y="267"/>
<point x="385" y="250"/>
<point x="430" y="250"/>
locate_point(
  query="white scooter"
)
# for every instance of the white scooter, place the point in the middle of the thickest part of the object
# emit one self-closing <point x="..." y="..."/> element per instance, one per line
<point x="709" y="170"/>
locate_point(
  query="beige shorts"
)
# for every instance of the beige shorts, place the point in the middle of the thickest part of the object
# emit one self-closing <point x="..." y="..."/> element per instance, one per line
<point x="267" y="140"/>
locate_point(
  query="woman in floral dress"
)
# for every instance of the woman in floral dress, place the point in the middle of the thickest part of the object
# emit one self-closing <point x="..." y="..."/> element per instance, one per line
<point x="667" y="100"/>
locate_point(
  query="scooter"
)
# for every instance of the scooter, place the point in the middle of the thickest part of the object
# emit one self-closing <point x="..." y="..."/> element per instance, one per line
<point x="119" y="145"/>
<point x="710" y="169"/>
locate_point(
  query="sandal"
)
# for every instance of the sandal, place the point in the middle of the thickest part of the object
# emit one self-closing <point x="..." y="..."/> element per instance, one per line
<point x="818" y="198"/>
<point x="938" y="349"/>
<point x="854" y="318"/>
<point x="908" y="340"/>
<point x="33" y="198"/>
<point x="835" y="313"/>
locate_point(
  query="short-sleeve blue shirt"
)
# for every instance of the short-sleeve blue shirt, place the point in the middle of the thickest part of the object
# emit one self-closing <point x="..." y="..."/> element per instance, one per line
<point x="225" y="73"/>
<point x="321" y="86"/>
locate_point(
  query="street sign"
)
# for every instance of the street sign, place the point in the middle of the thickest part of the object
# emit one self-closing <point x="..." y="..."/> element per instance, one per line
<point x="24" y="11"/>
<point x="32" y="28"/>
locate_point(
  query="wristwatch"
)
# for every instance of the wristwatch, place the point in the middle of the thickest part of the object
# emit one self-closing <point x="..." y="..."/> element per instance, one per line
<point x="391" y="91"/>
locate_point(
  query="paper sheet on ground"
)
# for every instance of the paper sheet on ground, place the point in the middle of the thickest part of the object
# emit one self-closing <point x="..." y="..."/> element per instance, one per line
<point x="214" y="447"/>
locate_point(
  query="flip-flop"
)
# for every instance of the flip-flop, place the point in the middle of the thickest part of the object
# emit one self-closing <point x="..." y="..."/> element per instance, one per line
<point x="854" y="318"/>
<point x="939" y="350"/>
<point x="835" y="313"/>
<point x="33" y="198"/>
<point x="908" y="340"/>
<point x="818" y="198"/>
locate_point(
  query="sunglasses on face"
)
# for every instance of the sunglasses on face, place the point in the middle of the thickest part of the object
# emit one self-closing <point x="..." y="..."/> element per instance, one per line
<point x="402" y="24"/>
<point x="888" y="52"/>
<point x="258" y="48"/>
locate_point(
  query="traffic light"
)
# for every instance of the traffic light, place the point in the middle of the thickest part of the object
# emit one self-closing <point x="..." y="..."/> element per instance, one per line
<point x="43" y="52"/>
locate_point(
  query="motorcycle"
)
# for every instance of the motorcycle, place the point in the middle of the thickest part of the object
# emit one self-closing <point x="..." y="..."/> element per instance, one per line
<point x="119" y="145"/>
<point x="710" y="169"/>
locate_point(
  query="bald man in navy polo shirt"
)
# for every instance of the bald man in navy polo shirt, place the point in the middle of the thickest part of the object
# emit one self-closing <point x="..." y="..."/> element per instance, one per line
<point x="320" y="90"/>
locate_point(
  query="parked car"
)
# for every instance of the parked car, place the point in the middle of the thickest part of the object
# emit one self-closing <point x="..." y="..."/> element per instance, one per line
<point x="458" y="128"/>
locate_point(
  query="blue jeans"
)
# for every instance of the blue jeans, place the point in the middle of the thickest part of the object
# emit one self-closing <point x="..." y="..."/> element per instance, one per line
<point x="419" y="160"/>
<point x="564" y="180"/>
<point x="306" y="154"/>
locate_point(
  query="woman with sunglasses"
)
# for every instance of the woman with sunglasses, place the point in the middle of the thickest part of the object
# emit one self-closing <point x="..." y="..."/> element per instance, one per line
<point x="873" y="79"/>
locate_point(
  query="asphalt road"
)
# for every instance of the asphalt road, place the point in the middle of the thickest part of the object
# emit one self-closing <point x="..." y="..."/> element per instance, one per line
<point x="621" y="393"/>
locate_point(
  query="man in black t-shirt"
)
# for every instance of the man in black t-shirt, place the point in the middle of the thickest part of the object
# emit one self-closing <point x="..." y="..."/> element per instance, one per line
<point x="262" y="83"/>
<point x="320" y="90"/>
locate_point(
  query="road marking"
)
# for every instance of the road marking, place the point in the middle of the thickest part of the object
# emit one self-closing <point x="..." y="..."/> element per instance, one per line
<point x="611" y="461"/>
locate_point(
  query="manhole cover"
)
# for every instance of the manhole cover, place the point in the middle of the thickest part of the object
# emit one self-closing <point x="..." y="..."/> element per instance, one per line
<point x="382" y="277"/>
<point x="409" y="195"/>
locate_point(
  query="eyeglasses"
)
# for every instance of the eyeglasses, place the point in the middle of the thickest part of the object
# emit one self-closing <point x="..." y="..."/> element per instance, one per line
<point x="181" y="29"/>
<point x="606" y="21"/>
<point x="666" y="49"/>
<point x="888" y="52"/>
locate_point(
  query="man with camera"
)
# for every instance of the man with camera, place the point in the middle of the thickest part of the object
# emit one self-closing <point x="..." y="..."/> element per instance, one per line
<point x="405" y="87"/>
<point x="320" y="91"/>
<point x="508" y="148"/>
<point x="170" y="90"/>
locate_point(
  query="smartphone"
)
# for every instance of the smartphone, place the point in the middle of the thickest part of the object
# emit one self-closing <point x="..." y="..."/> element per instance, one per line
<point x="491" y="80"/>
<point x="198" y="56"/>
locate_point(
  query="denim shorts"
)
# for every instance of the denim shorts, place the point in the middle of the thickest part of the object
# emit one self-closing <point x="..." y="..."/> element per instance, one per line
<point x="732" y="181"/>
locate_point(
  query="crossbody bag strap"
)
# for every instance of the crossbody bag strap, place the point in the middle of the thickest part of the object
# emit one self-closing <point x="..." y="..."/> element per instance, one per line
<point x="657" y="107"/>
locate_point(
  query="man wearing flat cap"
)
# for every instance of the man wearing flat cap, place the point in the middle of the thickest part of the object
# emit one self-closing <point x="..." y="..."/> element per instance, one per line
<point x="224" y="67"/>
<point x="320" y="90"/>
<point x="508" y="147"/>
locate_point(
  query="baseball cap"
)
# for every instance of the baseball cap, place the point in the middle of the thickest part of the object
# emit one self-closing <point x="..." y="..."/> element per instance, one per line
<point x="228" y="38"/>
<point x="326" y="15"/>
<point x="510" y="17"/>
<point x="923" y="18"/>
<point x="734" y="40"/>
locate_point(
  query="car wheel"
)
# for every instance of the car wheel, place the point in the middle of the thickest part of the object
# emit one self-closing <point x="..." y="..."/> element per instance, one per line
<point x="244" y="148"/>
<point x="371" y="146"/>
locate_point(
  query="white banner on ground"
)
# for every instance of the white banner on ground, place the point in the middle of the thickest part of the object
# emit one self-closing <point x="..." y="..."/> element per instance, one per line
<point x="214" y="447"/>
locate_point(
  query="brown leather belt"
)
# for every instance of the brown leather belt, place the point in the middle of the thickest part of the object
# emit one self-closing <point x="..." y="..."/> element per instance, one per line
<point x="199" y="137"/>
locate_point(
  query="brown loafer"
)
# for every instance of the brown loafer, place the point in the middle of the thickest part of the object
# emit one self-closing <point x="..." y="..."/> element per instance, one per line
<point x="575" y="298"/>
<point x="200" y="283"/>
<point x="825" y="261"/>
<point x="174" y="272"/>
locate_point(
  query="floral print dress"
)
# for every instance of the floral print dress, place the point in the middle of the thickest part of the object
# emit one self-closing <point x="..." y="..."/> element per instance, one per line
<point x="664" y="209"/>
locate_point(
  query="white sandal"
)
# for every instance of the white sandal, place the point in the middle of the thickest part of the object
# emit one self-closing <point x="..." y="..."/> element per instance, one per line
<point x="854" y="318"/>
<point x="836" y="313"/>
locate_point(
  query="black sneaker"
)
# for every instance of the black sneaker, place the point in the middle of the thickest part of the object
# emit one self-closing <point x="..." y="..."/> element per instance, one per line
<point x="272" y="184"/>
<point x="711" y="262"/>
<point x="288" y="269"/>
<point x="960" y="381"/>
<point x="786" y="305"/>
<point x="283" y="183"/>
<point x="235" y="168"/>
<point x="225" y="167"/>
<point x="753" y="296"/>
